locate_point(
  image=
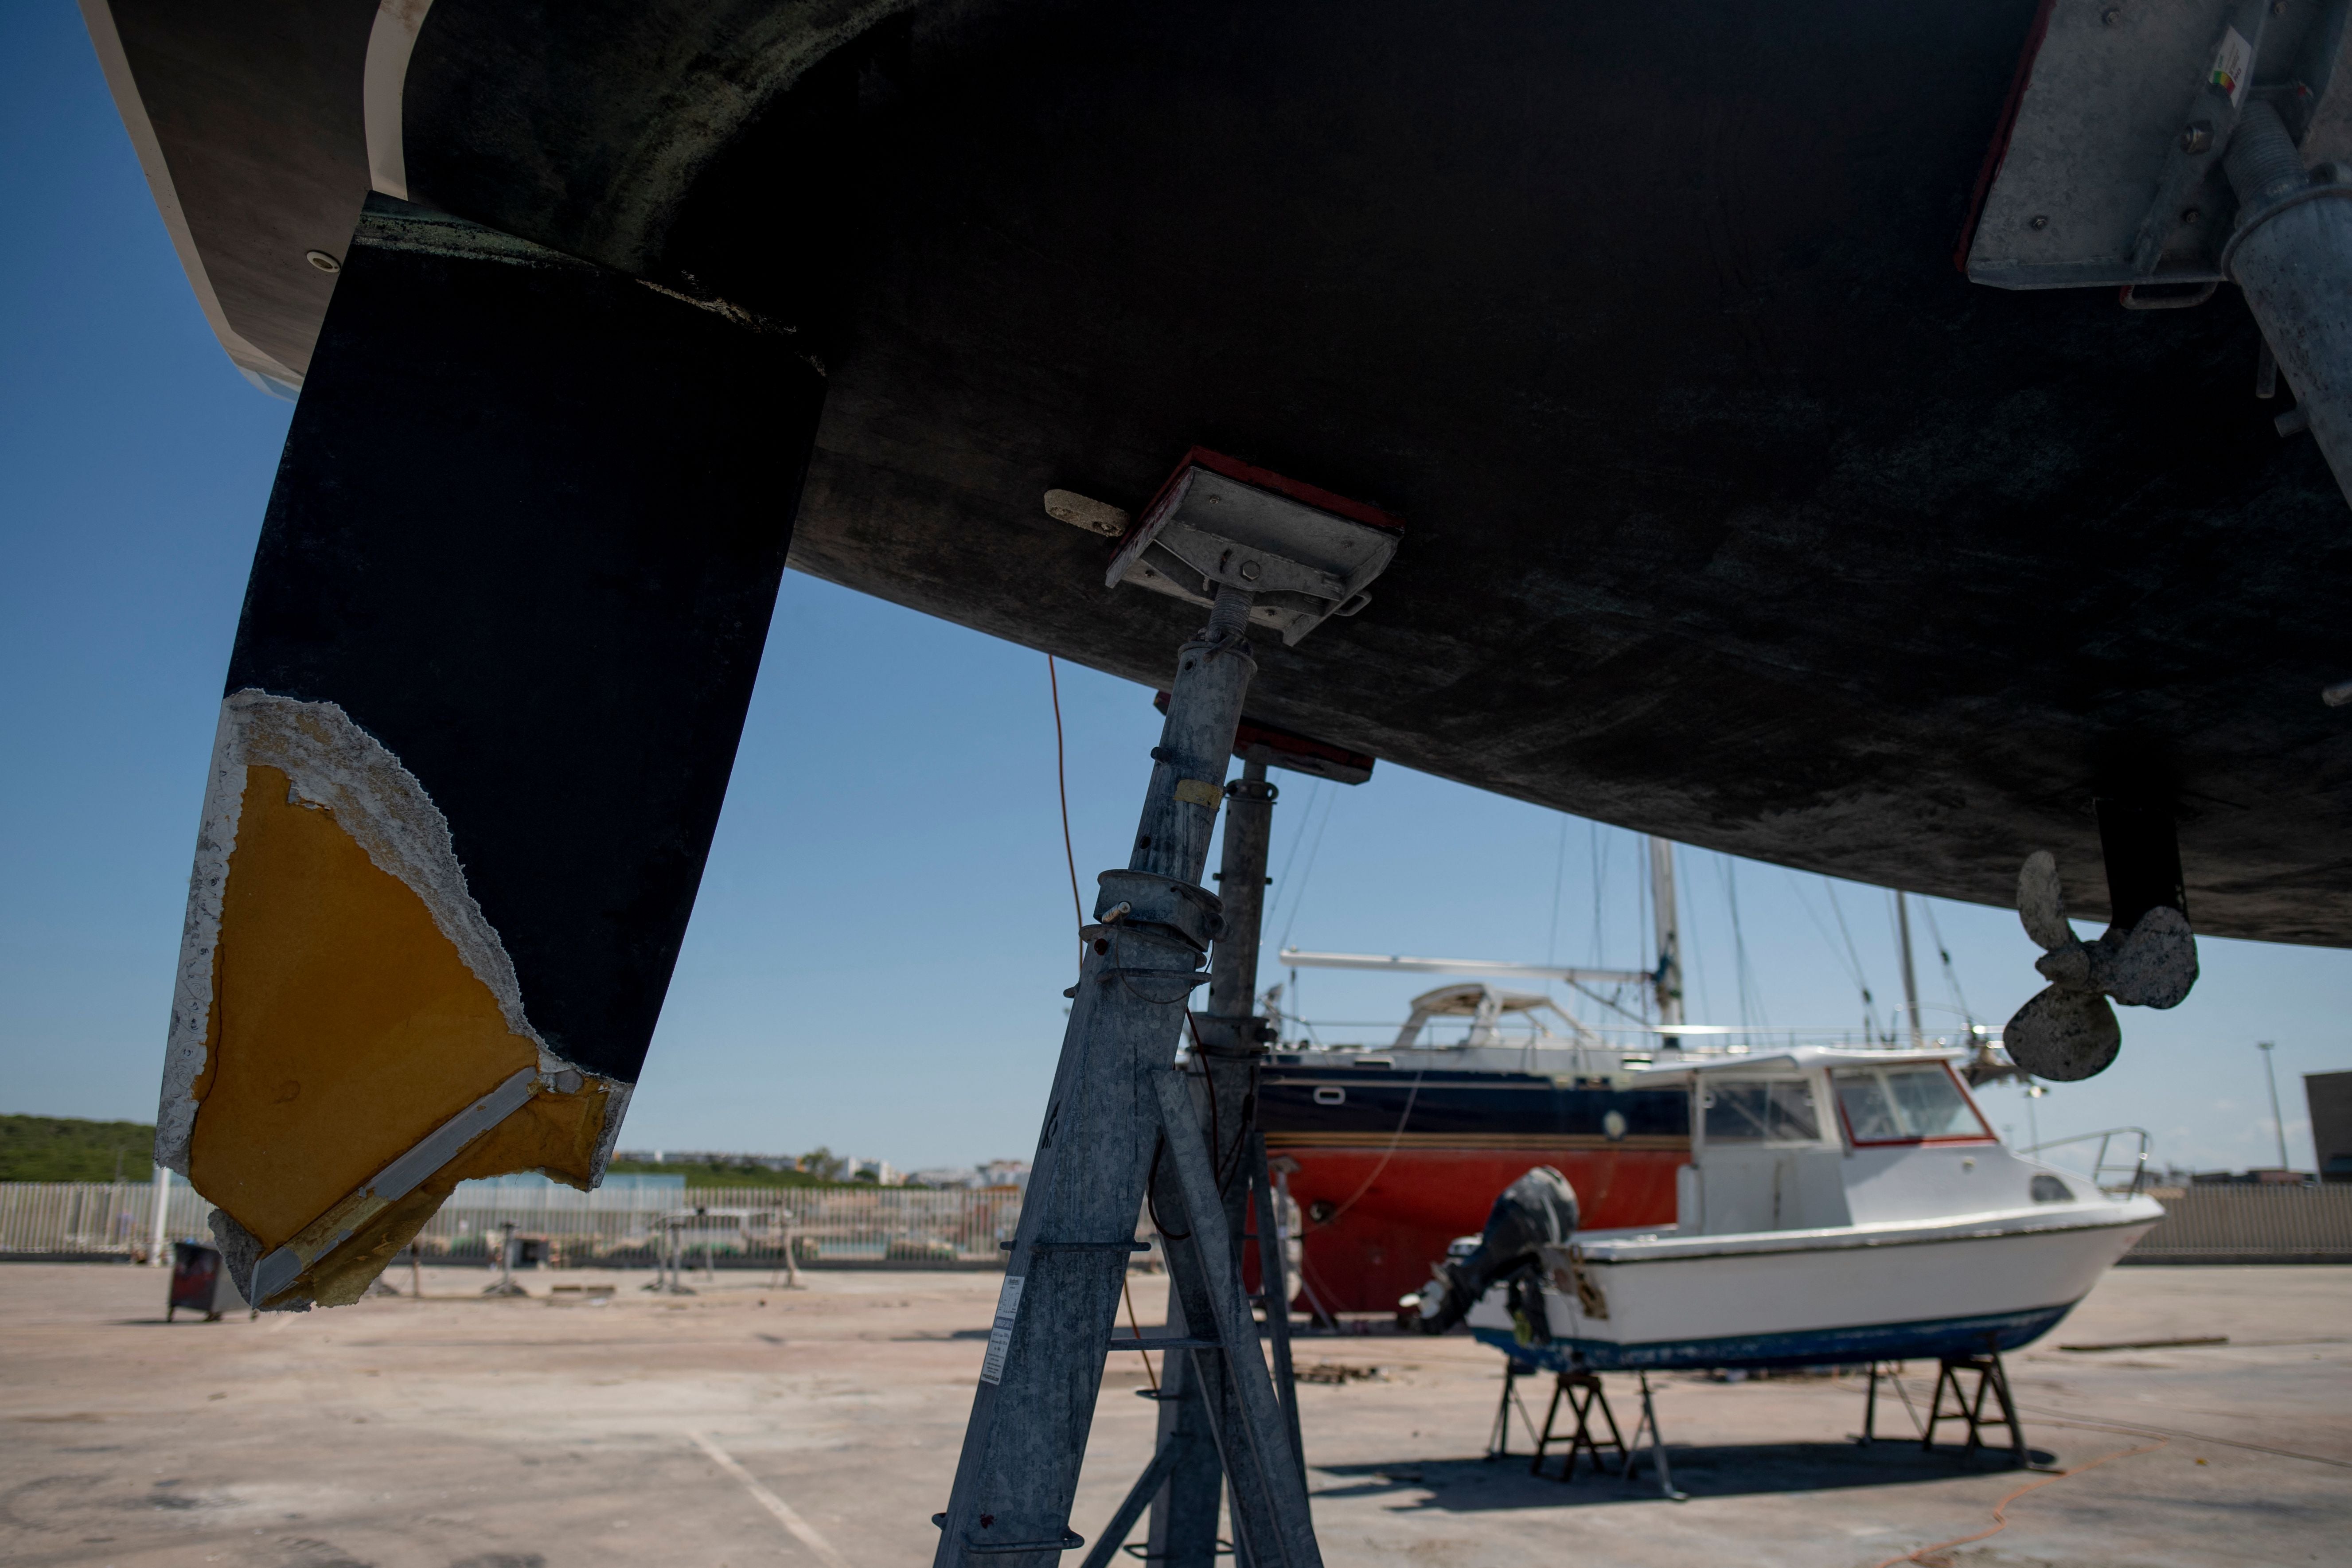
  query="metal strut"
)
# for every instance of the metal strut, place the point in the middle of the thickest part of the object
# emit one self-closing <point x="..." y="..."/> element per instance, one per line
<point x="1122" y="1115"/>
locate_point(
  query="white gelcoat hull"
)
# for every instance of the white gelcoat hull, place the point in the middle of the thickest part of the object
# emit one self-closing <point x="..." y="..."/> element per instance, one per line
<point x="1850" y="1293"/>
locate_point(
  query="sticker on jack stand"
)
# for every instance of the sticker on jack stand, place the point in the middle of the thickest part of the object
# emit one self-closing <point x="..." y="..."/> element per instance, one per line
<point x="1199" y="792"/>
<point x="2234" y="65"/>
<point x="1000" y="1332"/>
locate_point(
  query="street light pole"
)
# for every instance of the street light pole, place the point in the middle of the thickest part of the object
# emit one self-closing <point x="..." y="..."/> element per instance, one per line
<point x="2278" y="1124"/>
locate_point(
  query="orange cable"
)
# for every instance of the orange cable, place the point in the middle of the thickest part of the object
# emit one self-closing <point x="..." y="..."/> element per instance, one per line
<point x="2000" y="1510"/>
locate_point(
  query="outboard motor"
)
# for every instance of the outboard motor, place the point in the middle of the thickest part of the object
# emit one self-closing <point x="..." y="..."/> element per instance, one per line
<point x="1536" y="1210"/>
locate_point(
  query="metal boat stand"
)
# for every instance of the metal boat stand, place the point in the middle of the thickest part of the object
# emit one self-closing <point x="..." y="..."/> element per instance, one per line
<point x="504" y="1285"/>
<point x="1123" y="1121"/>
<point x="1894" y="1376"/>
<point x="1498" y="1437"/>
<point x="1583" y="1394"/>
<point x="669" y="1259"/>
<point x="1657" y="1450"/>
<point x="1992" y="1380"/>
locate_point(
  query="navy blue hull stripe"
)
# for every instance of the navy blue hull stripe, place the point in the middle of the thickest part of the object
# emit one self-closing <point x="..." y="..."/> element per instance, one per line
<point x="1804" y="1347"/>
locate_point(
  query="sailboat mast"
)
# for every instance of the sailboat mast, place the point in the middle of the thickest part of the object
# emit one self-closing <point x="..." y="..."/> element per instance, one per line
<point x="1668" y="980"/>
<point x="1910" y="975"/>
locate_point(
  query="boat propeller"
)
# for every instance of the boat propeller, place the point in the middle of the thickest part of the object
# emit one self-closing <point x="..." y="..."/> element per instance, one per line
<point x="2068" y="1031"/>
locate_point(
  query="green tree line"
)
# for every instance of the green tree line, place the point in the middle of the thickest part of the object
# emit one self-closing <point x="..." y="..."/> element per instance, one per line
<point x="69" y="1149"/>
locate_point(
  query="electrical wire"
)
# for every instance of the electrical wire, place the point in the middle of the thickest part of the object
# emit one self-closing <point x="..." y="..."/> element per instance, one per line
<point x="1151" y="1180"/>
<point x="2001" y="1509"/>
<point x="1217" y="1167"/>
<point x="1062" y="784"/>
<point x="1078" y="908"/>
<point x="1137" y="1330"/>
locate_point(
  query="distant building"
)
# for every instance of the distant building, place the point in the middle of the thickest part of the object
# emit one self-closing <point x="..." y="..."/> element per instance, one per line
<point x="2329" y="1095"/>
<point x="881" y="1173"/>
<point x="707" y="1157"/>
<point x="995" y="1173"/>
<point x="1006" y="1174"/>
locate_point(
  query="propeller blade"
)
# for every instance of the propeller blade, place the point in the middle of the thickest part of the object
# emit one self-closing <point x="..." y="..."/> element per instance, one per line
<point x="2064" y="1036"/>
<point x="2156" y="965"/>
<point x="2041" y="902"/>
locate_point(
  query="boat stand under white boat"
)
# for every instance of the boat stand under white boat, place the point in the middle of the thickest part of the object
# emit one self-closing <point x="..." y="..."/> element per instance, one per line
<point x="1842" y="1207"/>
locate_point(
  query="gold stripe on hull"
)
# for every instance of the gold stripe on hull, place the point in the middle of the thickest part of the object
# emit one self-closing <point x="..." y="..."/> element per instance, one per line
<point x="1474" y="1142"/>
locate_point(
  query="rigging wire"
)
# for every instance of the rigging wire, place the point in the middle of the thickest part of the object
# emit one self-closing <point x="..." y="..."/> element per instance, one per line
<point x="1651" y="960"/>
<point x="1597" y="850"/>
<point x="1614" y="1006"/>
<point x="1869" y="1020"/>
<point x="1559" y="881"/>
<point x="1687" y="946"/>
<point x="1559" y="885"/>
<point x="1307" y="872"/>
<point x="1599" y="853"/>
<point x="1290" y="859"/>
<point x="1944" y="955"/>
<point x="1814" y="915"/>
<point x="1902" y="958"/>
<point x="1751" y="1006"/>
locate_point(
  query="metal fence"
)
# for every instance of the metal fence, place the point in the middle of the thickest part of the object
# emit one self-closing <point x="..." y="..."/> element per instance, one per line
<point x="748" y="1227"/>
<point x="97" y="1219"/>
<point x="2249" y="1223"/>
<point x="739" y="1226"/>
<point x="725" y="1227"/>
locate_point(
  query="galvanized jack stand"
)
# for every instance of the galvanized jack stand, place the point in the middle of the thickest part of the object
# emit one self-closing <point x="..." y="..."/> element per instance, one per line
<point x="2183" y="146"/>
<point x="504" y="1285"/>
<point x="1893" y="1376"/>
<point x="1185" y="1481"/>
<point x="1122" y="1118"/>
<point x="1657" y="1448"/>
<point x="1498" y="1437"/>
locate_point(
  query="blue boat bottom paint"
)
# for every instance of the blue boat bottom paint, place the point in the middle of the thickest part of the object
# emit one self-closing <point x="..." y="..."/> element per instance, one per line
<point x="1808" y="1347"/>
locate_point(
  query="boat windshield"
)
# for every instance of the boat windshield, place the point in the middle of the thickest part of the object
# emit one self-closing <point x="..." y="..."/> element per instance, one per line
<point x="1759" y="1110"/>
<point x="1905" y="1104"/>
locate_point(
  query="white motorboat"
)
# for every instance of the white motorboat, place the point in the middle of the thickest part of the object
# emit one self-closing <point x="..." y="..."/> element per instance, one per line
<point x="1840" y="1207"/>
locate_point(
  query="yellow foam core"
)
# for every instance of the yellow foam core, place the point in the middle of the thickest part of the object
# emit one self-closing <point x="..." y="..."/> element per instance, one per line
<point x="345" y="1028"/>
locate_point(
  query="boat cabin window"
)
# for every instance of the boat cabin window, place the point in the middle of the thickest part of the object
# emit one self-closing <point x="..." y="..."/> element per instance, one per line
<point x="1758" y="1111"/>
<point x="1905" y="1105"/>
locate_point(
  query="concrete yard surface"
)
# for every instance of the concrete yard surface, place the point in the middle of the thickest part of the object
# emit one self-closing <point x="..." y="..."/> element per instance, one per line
<point x="749" y="1424"/>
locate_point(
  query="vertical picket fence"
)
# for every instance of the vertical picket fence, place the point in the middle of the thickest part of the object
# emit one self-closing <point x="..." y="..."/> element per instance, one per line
<point x="619" y="1225"/>
<point x="95" y="1219"/>
<point x="740" y="1226"/>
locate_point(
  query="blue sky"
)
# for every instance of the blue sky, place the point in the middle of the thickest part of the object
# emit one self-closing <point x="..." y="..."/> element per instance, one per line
<point x="886" y="755"/>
